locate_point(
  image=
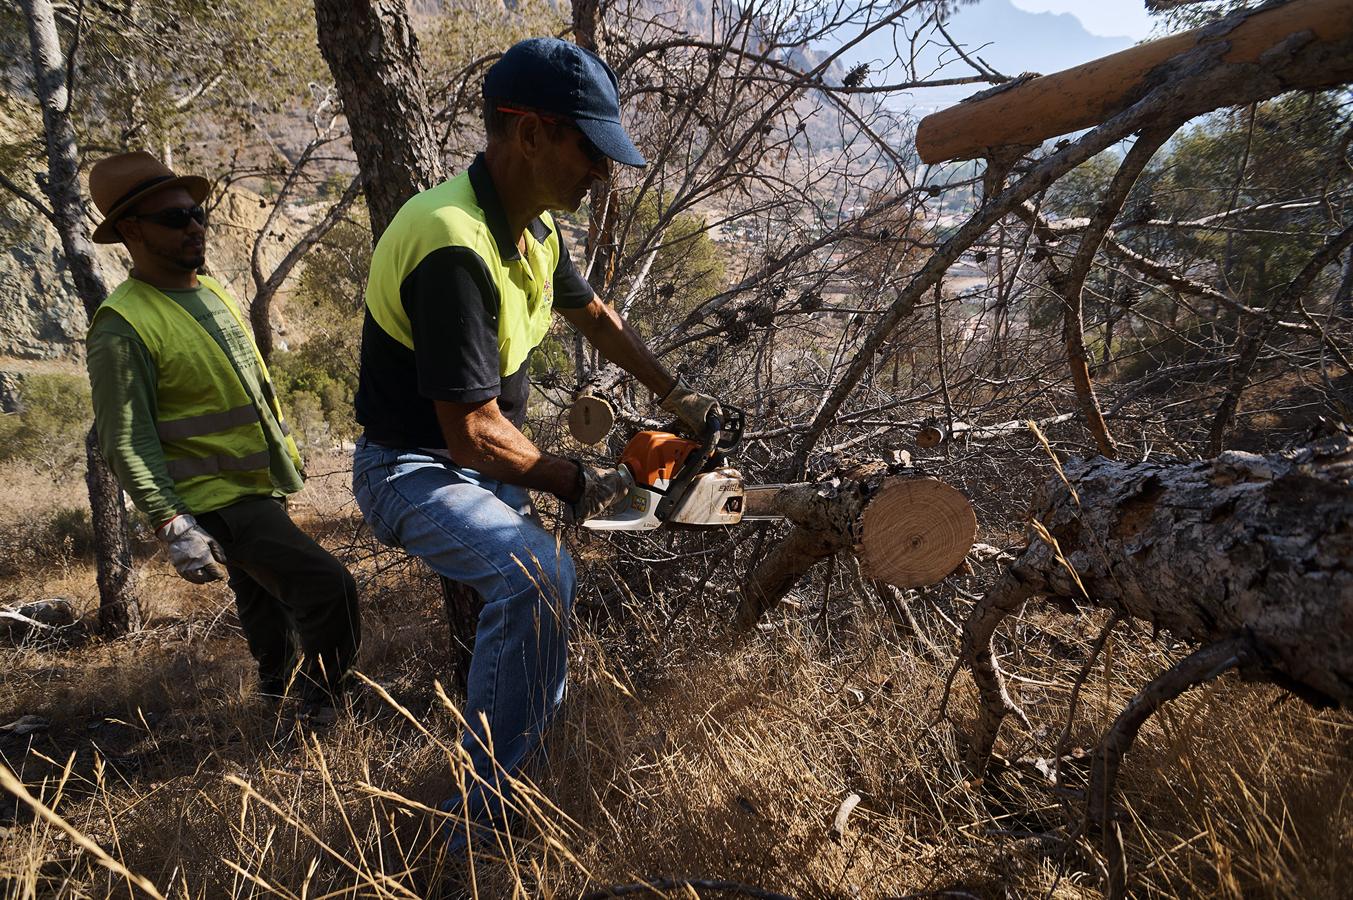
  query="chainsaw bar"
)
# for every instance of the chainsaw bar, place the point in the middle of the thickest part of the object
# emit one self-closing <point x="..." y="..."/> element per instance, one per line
<point x="758" y="502"/>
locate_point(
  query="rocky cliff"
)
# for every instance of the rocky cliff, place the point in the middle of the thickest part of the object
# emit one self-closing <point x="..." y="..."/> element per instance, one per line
<point x="40" y="316"/>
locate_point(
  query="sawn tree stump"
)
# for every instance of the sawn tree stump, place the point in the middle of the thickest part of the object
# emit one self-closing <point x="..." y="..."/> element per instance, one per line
<point x="906" y="529"/>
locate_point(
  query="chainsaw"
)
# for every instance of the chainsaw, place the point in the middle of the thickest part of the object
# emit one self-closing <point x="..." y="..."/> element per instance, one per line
<point x="688" y="482"/>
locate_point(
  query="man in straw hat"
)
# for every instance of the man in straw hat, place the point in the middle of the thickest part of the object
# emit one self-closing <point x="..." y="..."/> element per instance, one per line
<point x="462" y="287"/>
<point x="187" y="417"/>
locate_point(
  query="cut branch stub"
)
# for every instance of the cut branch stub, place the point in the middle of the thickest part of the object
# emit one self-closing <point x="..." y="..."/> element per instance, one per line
<point x="590" y="419"/>
<point x="915" y="531"/>
<point x="933" y="434"/>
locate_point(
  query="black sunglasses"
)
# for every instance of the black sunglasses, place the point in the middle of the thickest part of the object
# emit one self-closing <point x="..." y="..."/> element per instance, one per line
<point x="590" y="150"/>
<point x="176" y="217"/>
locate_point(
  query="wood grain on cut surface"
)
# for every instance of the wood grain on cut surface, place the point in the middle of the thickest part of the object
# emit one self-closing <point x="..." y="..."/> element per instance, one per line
<point x="916" y="531"/>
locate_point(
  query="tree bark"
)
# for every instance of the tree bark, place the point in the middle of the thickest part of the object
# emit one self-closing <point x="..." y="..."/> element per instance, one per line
<point x="1343" y="297"/>
<point x="119" y="610"/>
<point x="373" y="54"/>
<point x="463" y="606"/>
<point x="1029" y="111"/>
<point x="1240" y="545"/>
<point x="601" y="216"/>
<point x="119" y="606"/>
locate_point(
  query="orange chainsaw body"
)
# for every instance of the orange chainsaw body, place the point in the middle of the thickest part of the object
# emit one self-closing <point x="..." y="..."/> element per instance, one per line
<point x="654" y="457"/>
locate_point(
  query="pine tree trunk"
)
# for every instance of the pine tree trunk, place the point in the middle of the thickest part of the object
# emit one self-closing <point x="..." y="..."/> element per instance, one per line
<point x="600" y="218"/>
<point x="373" y="54"/>
<point x="1343" y="297"/>
<point x="118" y="607"/>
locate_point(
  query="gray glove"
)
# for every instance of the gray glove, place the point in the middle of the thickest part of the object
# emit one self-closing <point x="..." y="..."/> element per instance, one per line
<point x="691" y="407"/>
<point x="604" y="489"/>
<point x="194" y="553"/>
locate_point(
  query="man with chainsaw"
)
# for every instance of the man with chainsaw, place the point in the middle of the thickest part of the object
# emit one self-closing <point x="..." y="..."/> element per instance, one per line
<point x="462" y="286"/>
<point x="187" y="418"/>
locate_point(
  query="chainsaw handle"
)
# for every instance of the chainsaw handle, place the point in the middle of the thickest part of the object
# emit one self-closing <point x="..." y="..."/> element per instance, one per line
<point x="730" y="427"/>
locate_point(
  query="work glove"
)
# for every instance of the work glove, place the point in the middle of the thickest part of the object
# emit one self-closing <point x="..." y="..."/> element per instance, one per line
<point x="691" y="407"/>
<point x="603" y="491"/>
<point x="194" y="553"/>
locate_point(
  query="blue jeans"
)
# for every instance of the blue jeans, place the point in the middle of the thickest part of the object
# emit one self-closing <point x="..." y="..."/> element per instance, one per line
<point x="484" y="534"/>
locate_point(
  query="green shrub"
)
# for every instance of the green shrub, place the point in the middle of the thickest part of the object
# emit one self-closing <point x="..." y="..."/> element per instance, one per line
<point x="316" y="391"/>
<point x="317" y="379"/>
<point x="70" y="533"/>
<point x="60" y="536"/>
<point x="49" y="428"/>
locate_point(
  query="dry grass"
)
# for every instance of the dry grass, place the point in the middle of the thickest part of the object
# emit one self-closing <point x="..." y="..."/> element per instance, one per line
<point x="683" y="752"/>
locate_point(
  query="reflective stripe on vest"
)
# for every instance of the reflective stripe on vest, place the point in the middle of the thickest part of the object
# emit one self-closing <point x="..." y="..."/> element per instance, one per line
<point x="183" y="469"/>
<point x="193" y="426"/>
<point x="449" y="215"/>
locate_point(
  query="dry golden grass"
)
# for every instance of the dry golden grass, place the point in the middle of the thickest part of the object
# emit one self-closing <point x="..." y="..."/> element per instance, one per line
<point x="683" y="752"/>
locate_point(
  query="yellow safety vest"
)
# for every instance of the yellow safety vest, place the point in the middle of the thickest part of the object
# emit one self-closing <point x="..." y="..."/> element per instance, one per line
<point x="210" y="429"/>
<point x="448" y="215"/>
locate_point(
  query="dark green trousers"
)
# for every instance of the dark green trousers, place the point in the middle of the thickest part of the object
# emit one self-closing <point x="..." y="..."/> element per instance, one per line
<point x="288" y="590"/>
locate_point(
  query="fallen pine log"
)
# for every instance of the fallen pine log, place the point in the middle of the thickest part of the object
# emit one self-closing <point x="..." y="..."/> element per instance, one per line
<point x="1028" y="111"/>
<point x="906" y="529"/>
<point x="1248" y="556"/>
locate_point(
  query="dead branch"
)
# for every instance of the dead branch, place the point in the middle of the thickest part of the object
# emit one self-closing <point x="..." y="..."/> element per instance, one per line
<point x="1197" y="668"/>
<point x="1070" y="286"/>
<point x="932" y="434"/>
<point x="1194" y="82"/>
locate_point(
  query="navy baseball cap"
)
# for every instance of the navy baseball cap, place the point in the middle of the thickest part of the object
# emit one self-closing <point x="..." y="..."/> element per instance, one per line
<point x="555" y="76"/>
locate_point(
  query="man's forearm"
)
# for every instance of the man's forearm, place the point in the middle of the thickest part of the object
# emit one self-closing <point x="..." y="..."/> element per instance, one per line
<point x="619" y="343"/>
<point x="480" y="438"/>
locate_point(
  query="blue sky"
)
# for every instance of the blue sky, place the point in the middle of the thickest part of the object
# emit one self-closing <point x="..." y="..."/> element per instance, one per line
<point x="1106" y="18"/>
<point x="1015" y="36"/>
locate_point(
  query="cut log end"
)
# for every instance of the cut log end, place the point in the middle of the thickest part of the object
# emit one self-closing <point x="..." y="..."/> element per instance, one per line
<point x="915" y="532"/>
<point x="590" y="419"/>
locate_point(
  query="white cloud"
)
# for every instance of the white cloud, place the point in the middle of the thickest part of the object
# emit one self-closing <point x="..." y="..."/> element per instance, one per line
<point x="1127" y="18"/>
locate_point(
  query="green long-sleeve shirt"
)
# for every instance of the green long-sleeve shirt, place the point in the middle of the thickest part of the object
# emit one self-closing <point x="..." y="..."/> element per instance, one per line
<point x="123" y="378"/>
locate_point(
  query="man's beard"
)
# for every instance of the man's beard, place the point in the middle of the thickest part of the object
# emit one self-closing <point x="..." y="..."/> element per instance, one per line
<point x="186" y="260"/>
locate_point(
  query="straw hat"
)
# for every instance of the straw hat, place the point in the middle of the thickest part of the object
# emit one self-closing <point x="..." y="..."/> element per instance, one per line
<point x="119" y="182"/>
